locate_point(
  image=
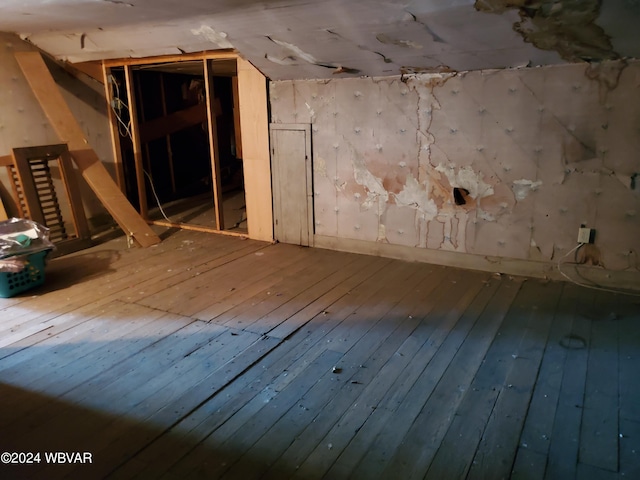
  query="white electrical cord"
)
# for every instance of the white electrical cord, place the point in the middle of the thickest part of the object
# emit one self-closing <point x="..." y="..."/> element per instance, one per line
<point x="593" y="287"/>
<point x="116" y="98"/>
<point x="127" y="132"/>
<point x="153" y="189"/>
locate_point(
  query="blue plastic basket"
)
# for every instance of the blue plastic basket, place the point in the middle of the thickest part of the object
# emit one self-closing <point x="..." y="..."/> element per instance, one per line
<point x="31" y="276"/>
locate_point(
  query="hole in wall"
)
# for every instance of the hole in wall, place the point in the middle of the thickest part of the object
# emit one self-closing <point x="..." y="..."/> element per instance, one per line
<point x="460" y="195"/>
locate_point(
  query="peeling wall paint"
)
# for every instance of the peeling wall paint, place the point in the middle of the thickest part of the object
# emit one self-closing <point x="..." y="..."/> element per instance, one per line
<point x="533" y="154"/>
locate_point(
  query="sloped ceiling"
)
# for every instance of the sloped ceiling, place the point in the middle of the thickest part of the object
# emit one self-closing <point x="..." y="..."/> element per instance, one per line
<point x="335" y="38"/>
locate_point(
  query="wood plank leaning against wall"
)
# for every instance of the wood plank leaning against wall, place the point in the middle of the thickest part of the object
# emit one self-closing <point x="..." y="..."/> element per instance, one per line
<point x="70" y="132"/>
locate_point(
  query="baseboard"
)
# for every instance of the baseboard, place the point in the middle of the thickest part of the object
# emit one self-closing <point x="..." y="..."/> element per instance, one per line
<point x="585" y="274"/>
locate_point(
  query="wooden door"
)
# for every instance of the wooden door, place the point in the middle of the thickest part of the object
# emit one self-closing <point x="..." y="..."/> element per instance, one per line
<point x="292" y="184"/>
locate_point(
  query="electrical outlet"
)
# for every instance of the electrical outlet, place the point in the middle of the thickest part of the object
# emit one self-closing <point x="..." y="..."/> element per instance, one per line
<point x="584" y="235"/>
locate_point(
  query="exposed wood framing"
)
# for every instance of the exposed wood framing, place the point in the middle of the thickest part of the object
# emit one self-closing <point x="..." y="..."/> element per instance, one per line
<point x="174" y="122"/>
<point x="213" y="146"/>
<point x="70" y="132"/>
<point x="237" y="131"/>
<point x="197" y="228"/>
<point x="251" y="135"/>
<point x="91" y="69"/>
<point x="114" y="128"/>
<point x="254" y="122"/>
<point x="214" y="55"/>
<point x="168" y="138"/>
<point x="137" y="143"/>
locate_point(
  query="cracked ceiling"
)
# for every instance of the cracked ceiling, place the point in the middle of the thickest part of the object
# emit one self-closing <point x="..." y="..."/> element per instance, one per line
<point x="336" y="38"/>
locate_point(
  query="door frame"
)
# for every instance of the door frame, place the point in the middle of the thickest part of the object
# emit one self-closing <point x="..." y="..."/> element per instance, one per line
<point x="252" y="138"/>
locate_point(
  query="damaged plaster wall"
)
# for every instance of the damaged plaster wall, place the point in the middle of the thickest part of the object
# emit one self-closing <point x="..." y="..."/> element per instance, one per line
<point x="506" y="163"/>
<point x="24" y="124"/>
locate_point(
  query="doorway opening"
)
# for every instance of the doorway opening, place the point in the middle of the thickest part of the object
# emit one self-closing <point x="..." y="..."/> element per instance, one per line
<point x="179" y="142"/>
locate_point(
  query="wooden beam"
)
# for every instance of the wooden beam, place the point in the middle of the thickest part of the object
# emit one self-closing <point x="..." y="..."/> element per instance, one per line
<point x="173" y="122"/>
<point x="197" y="228"/>
<point x="184" y="57"/>
<point x="254" y="120"/>
<point x="137" y="144"/>
<point x="6" y="161"/>
<point x="91" y="69"/>
<point x="213" y="146"/>
<point x="114" y="128"/>
<point x="70" y="132"/>
<point x="163" y="96"/>
<point x="237" y="130"/>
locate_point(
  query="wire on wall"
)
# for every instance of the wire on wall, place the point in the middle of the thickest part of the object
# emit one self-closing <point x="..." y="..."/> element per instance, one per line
<point x="593" y="287"/>
<point x="117" y="105"/>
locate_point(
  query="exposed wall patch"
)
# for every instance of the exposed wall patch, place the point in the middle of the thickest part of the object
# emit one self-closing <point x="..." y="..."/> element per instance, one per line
<point x="416" y="196"/>
<point x="523" y="187"/>
<point x="376" y="193"/>
<point x="307" y="57"/>
<point x="459" y="195"/>
<point x="387" y="40"/>
<point x="117" y="2"/>
<point x="320" y="166"/>
<point x="218" y="38"/>
<point x="467" y="179"/>
<point x="288" y="60"/>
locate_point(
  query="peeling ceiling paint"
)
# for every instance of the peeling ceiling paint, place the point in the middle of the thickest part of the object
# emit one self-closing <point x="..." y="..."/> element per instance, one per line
<point x="302" y="39"/>
<point x="219" y="39"/>
<point x="566" y="26"/>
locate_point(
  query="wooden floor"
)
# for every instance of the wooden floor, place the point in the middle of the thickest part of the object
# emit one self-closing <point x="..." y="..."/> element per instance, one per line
<point x="216" y="357"/>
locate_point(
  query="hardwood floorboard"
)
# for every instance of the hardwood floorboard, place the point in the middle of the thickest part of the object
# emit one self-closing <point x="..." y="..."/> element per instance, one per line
<point x="414" y="394"/>
<point x="290" y="317"/>
<point x="225" y="310"/>
<point x="565" y="435"/>
<point x="293" y="291"/>
<point x="435" y="287"/>
<point x="455" y="454"/>
<point x="500" y="440"/>
<point x="366" y="311"/>
<point x="531" y="458"/>
<point x="375" y="432"/>
<point x="276" y="371"/>
<point x="599" y="429"/>
<point x="213" y="357"/>
<point x="377" y="344"/>
<point x="193" y="294"/>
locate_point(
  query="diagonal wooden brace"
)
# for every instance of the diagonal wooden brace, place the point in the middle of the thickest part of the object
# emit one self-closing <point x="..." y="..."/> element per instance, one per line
<point x="88" y="162"/>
